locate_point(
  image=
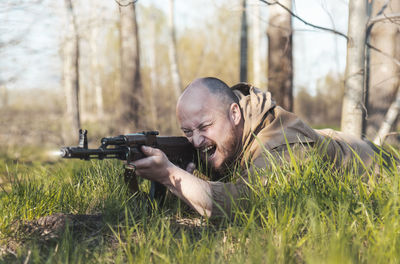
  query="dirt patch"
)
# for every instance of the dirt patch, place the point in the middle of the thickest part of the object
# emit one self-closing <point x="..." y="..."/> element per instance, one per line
<point x="193" y="227"/>
<point x="49" y="229"/>
<point x="52" y="226"/>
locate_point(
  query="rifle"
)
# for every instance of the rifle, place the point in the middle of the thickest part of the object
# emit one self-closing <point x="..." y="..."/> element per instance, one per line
<point x="127" y="147"/>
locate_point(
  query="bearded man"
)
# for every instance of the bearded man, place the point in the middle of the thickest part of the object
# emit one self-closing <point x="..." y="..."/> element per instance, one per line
<point x="234" y="127"/>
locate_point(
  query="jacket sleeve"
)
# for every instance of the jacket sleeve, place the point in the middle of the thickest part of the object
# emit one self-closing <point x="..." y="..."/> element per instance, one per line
<point x="226" y="196"/>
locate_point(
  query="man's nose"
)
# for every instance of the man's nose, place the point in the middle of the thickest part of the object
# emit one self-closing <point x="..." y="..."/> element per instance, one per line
<point x="198" y="139"/>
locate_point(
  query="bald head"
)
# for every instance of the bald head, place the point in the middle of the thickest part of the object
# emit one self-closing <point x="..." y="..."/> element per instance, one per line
<point x="209" y="88"/>
<point x="210" y="117"/>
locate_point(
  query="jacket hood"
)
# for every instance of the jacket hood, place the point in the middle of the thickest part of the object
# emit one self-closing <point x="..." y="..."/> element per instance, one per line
<point x="270" y="124"/>
<point x="255" y="105"/>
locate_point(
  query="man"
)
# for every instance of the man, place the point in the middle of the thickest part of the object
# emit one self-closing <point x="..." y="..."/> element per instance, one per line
<point x="237" y="126"/>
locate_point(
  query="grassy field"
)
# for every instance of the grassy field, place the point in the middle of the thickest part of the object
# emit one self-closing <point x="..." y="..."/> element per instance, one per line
<point x="81" y="212"/>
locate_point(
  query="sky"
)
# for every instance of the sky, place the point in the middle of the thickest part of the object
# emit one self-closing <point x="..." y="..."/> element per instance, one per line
<point x="322" y="51"/>
<point x="36" y="60"/>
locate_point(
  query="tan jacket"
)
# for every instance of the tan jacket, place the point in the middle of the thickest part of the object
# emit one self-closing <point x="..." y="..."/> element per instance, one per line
<point x="270" y="129"/>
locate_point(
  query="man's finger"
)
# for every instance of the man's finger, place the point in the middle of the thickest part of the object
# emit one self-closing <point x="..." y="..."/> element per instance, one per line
<point x="190" y="167"/>
<point x="142" y="163"/>
<point x="149" y="151"/>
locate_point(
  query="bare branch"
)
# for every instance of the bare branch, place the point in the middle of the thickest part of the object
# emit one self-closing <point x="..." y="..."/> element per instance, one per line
<point x="123" y="5"/>
<point x="385" y="5"/>
<point x="394" y="60"/>
<point x="302" y="20"/>
<point x="378" y="18"/>
<point x="382" y="17"/>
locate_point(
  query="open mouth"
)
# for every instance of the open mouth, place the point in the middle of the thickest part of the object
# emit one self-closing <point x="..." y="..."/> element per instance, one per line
<point x="208" y="152"/>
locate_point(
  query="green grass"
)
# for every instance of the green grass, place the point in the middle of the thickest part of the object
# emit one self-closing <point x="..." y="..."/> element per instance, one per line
<point x="307" y="213"/>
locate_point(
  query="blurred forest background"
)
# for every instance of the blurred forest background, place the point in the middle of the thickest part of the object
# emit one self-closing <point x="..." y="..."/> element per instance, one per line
<point x="114" y="67"/>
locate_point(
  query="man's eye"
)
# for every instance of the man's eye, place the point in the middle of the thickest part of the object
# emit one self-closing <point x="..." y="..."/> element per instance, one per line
<point x="204" y="127"/>
<point x="188" y="133"/>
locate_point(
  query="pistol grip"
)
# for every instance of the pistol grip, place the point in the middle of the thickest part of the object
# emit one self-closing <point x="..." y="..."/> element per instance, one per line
<point x="131" y="180"/>
<point x="158" y="192"/>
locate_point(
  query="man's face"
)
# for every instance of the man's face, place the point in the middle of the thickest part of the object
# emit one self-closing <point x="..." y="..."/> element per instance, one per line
<point x="209" y="128"/>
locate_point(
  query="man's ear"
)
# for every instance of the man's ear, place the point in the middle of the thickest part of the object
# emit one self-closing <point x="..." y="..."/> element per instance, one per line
<point x="235" y="114"/>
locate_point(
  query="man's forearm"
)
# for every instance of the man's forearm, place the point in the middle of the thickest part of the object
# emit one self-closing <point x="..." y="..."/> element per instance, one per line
<point x="192" y="190"/>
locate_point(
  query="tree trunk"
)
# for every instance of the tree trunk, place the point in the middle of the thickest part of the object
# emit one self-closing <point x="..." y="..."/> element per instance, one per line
<point x="353" y="101"/>
<point x="98" y="91"/>
<point x="153" y="75"/>
<point x="243" y="44"/>
<point x="256" y="44"/>
<point x="173" y="54"/>
<point x="280" y="61"/>
<point x="384" y="74"/>
<point x="131" y="85"/>
<point x="389" y="120"/>
<point x="71" y="70"/>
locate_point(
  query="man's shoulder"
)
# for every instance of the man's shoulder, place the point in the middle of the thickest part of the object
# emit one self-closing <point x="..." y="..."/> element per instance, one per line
<point x="286" y="128"/>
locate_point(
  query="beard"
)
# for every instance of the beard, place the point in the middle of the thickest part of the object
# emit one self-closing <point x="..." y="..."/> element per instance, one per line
<point x="229" y="149"/>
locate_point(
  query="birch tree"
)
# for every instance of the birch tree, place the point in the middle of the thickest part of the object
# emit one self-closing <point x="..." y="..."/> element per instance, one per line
<point x="384" y="77"/>
<point x="173" y="54"/>
<point x="388" y="121"/>
<point x="280" y="61"/>
<point x="243" y="44"/>
<point x="153" y="72"/>
<point x="353" y="101"/>
<point x="95" y="69"/>
<point x="131" y="85"/>
<point x="256" y="26"/>
<point x="71" y="69"/>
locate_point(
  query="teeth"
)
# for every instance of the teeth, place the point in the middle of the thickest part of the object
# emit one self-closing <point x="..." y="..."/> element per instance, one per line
<point x="207" y="149"/>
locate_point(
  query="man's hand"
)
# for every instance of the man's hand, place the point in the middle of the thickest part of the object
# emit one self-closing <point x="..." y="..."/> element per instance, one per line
<point x="155" y="167"/>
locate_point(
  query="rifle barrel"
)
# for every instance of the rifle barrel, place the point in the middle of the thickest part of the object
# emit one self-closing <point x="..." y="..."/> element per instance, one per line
<point x="100" y="153"/>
